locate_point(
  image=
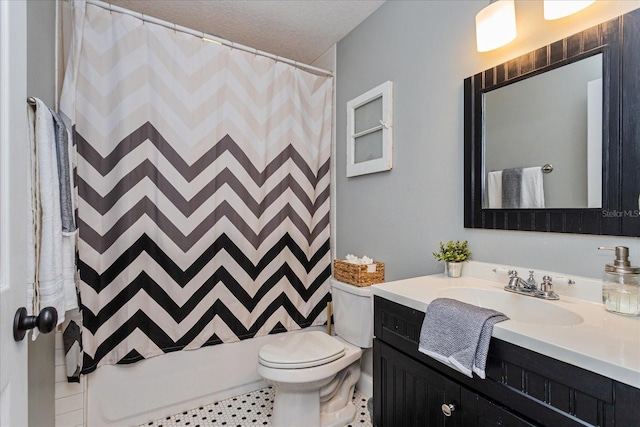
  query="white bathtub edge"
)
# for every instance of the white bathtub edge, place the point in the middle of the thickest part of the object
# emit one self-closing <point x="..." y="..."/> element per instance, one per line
<point x="121" y="395"/>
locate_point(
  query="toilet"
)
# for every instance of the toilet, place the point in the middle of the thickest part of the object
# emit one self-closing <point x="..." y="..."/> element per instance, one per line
<point x="314" y="374"/>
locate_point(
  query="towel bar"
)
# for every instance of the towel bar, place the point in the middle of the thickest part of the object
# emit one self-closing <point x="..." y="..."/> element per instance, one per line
<point x="546" y="168"/>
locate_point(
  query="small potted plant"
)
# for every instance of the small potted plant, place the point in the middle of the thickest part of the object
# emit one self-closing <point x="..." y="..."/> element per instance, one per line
<point x="453" y="254"/>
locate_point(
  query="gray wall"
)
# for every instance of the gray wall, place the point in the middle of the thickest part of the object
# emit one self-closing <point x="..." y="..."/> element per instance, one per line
<point x="427" y="49"/>
<point x="41" y="84"/>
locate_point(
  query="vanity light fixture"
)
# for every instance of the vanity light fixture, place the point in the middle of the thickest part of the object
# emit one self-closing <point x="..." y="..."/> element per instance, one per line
<point x="556" y="9"/>
<point x="495" y="25"/>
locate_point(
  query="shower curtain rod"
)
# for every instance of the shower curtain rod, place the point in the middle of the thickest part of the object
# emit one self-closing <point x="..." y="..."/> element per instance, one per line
<point x="207" y="37"/>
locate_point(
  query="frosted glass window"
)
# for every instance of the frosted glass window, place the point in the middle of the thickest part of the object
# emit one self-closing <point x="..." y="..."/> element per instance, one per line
<point x="369" y="131"/>
<point x="368" y="147"/>
<point x="368" y="116"/>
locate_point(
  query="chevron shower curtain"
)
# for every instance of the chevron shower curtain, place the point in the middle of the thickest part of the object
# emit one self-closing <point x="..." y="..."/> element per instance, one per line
<point x="203" y="182"/>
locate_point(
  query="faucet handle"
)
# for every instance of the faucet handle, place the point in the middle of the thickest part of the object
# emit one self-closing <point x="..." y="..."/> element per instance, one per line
<point x="513" y="280"/>
<point x="530" y="283"/>
<point x="546" y="289"/>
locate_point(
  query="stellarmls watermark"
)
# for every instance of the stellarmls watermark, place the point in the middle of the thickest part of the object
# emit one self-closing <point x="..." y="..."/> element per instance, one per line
<point x="606" y="213"/>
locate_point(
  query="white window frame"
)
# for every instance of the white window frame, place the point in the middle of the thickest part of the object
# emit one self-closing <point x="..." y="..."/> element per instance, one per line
<point x="384" y="163"/>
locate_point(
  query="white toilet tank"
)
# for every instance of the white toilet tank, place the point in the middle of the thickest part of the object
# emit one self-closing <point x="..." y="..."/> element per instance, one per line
<point x="352" y="313"/>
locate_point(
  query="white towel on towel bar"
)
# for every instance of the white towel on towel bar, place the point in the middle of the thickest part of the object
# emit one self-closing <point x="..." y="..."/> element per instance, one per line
<point x="532" y="191"/>
<point x="494" y="190"/>
<point x="54" y="264"/>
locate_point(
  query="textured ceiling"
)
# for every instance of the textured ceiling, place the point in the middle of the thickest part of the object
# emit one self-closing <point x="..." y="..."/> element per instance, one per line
<point x="301" y="30"/>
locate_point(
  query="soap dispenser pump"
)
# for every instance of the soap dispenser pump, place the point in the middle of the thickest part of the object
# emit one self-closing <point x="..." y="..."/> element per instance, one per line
<point x="621" y="284"/>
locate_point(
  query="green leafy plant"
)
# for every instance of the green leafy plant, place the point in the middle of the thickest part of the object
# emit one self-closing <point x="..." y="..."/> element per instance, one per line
<point x="453" y="251"/>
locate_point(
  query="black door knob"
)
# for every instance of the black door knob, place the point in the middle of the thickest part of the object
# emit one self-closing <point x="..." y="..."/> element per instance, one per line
<point x="46" y="321"/>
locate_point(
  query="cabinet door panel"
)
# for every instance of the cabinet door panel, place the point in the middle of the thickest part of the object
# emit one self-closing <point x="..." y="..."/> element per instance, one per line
<point x="406" y="393"/>
<point x="480" y="412"/>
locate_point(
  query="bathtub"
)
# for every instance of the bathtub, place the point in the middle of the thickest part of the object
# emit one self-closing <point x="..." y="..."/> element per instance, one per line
<point x="121" y="395"/>
<point x="128" y="395"/>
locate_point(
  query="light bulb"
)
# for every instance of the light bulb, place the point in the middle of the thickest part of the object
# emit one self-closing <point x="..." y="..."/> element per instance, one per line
<point x="495" y="25"/>
<point x="556" y="9"/>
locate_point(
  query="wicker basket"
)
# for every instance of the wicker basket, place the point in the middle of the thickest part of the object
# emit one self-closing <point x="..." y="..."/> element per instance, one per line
<point x="356" y="274"/>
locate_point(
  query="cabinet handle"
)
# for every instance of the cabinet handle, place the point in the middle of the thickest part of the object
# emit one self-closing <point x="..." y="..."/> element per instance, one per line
<point x="447" y="409"/>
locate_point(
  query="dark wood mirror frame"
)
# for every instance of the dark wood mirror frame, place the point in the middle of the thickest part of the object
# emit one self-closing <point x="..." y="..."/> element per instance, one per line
<point x="619" y="41"/>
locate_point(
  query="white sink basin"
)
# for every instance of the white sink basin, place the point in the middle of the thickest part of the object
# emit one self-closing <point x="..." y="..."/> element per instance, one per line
<point x="519" y="308"/>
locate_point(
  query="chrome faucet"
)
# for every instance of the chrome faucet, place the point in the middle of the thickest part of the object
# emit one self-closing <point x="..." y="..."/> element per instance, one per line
<point x="516" y="282"/>
<point x="528" y="287"/>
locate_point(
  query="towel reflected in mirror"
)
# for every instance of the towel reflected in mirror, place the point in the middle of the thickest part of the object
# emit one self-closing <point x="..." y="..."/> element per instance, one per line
<point x="515" y="188"/>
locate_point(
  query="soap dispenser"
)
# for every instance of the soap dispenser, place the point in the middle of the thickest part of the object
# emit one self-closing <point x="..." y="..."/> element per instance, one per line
<point x="621" y="284"/>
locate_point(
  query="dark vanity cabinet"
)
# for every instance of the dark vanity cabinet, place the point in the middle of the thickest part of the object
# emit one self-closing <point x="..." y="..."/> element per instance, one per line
<point x="522" y="388"/>
<point x="412" y="394"/>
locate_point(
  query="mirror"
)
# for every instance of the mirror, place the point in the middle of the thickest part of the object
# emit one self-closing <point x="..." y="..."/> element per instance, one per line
<point x="514" y="109"/>
<point x="554" y="119"/>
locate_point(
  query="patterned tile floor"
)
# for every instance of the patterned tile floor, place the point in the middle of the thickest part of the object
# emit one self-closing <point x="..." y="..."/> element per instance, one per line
<point x="251" y="409"/>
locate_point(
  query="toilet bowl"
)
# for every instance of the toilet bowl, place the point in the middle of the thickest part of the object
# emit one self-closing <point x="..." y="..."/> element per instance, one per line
<point x="315" y="374"/>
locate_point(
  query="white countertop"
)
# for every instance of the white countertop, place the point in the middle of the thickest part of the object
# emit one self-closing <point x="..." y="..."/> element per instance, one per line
<point x="603" y="342"/>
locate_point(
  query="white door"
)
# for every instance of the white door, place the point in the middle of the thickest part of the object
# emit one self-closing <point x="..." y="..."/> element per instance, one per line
<point x="13" y="193"/>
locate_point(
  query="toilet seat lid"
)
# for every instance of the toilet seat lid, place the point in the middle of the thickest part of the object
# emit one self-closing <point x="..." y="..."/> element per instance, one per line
<point x="301" y="350"/>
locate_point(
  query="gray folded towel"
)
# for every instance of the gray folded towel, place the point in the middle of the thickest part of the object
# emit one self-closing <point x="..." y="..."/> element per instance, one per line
<point x="458" y="334"/>
<point x="64" y="174"/>
<point x="511" y="188"/>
